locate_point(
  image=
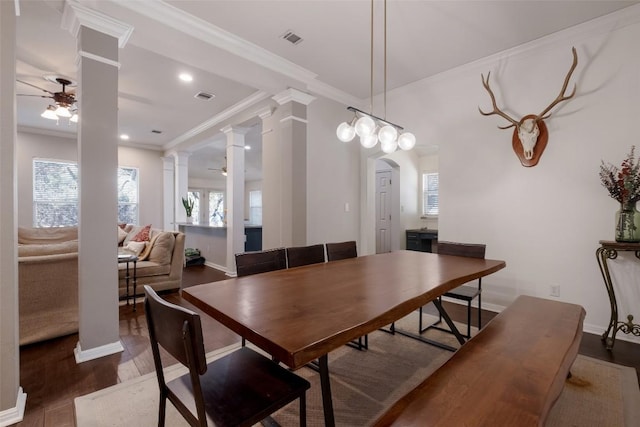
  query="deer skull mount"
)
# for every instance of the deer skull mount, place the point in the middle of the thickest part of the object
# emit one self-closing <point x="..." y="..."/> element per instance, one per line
<point x="530" y="135"/>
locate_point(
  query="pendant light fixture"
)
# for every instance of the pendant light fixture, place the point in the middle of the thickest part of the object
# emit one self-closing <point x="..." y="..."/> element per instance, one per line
<point x="370" y="128"/>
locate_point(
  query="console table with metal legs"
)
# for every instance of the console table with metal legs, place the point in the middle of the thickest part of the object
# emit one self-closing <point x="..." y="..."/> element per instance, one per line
<point x="609" y="250"/>
<point x="126" y="258"/>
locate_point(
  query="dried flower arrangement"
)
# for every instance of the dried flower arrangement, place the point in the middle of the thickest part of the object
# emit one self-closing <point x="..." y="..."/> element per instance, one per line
<point x="623" y="184"/>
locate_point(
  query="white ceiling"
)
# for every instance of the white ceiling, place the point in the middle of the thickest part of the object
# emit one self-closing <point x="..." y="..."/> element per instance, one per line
<point x="234" y="50"/>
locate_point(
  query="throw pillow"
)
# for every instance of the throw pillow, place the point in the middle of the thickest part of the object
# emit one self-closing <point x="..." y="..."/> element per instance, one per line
<point x="121" y="235"/>
<point x="136" y="247"/>
<point x="143" y="235"/>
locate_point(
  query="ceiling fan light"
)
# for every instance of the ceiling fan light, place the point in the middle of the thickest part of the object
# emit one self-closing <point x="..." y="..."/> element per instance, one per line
<point x="63" y="111"/>
<point x="50" y="113"/>
<point x="387" y="134"/>
<point x="369" y="141"/>
<point x="345" y="132"/>
<point x="407" y="141"/>
<point x="365" y="126"/>
<point x="74" y="118"/>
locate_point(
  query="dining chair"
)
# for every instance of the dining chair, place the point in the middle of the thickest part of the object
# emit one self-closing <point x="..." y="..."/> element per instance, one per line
<point x="238" y="389"/>
<point x="342" y="250"/>
<point x="336" y="252"/>
<point x="465" y="293"/>
<point x="305" y="255"/>
<point x="260" y="262"/>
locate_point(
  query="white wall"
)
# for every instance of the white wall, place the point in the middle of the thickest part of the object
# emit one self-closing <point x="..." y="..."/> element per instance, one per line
<point x="32" y="145"/>
<point x="333" y="176"/>
<point x="545" y="221"/>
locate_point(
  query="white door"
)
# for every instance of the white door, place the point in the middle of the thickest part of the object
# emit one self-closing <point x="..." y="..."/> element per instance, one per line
<point x="383" y="212"/>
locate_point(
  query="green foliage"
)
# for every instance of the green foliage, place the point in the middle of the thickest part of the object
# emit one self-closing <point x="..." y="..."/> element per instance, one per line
<point x="188" y="204"/>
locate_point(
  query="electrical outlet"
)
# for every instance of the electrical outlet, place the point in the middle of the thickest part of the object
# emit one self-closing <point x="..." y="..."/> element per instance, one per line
<point x="555" y="291"/>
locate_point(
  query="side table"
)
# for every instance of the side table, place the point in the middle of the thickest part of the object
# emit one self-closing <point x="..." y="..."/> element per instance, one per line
<point x="134" y="259"/>
<point x="609" y="250"/>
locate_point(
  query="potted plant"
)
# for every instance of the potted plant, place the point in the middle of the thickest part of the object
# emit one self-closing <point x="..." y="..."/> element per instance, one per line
<point x="188" y="207"/>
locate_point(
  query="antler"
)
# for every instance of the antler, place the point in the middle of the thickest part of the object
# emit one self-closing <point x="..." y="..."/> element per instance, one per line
<point x="561" y="97"/>
<point x="496" y="110"/>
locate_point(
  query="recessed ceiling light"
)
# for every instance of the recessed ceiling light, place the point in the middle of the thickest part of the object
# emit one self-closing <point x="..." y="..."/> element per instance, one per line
<point x="124" y="137"/>
<point x="185" y="77"/>
<point x="247" y="147"/>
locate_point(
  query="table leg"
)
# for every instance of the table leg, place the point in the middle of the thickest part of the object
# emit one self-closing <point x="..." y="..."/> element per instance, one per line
<point x="602" y="255"/>
<point x="327" y="402"/>
<point x="448" y="320"/>
<point x="126" y="278"/>
<point x="135" y="282"/>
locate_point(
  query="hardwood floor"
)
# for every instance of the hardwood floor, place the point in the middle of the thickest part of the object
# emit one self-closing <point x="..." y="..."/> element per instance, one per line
<point x="52" y="379"/>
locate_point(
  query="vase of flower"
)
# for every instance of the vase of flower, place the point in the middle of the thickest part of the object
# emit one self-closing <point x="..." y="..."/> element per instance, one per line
<point x="628" y="223"/>
<point x="623" y="185"/>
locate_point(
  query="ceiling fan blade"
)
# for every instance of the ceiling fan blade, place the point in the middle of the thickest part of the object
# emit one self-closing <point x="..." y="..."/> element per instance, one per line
<point x="29" y="84"/>
<point x="39" y="96"/>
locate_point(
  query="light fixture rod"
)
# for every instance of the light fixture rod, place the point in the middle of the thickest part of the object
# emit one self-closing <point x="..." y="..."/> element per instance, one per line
<point x="355" y="110"/>
<point x="371" y="64"/>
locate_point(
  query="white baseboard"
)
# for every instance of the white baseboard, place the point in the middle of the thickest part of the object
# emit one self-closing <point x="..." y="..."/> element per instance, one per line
<point x="97" y="352"/>
<point x="14" y="415"/>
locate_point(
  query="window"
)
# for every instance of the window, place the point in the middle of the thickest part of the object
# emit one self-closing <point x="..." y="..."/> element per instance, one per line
<point x="430" y="204"/>
<point x="216" y="208"/>
<point x="255" y="207"/>
<point x="55" y="194"/>
<point x="195" y="212"/>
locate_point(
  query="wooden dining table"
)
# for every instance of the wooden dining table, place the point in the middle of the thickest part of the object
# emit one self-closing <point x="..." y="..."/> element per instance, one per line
<point x="300" y="315"/>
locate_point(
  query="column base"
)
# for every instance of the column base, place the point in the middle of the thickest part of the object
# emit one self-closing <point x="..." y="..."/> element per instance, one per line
<point x="14" y="415"/>
<point x="97" y="352"/>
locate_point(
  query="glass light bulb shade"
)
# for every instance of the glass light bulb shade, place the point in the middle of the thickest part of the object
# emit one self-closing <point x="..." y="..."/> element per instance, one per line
<point x="49" y="113"/>
<point x="74" y="118"/>
<point x="387" y="134"/>
<point x="365" y="126"/>
<point x="389" y="147"/>
<point x="407" y="141"/>
<point x="369" y="141"/>
<point x="63" y="112"/>
<point x="345" y="132"/>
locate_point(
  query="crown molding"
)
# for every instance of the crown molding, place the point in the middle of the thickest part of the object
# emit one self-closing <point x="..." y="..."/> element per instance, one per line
<point x="76" y="15"/>
<point x="291" y="94"/>
<point x="193" y="26"/>
<point x="219" y="118"/>
<point x="98" y="58"/>
<point x="71" y="134"/>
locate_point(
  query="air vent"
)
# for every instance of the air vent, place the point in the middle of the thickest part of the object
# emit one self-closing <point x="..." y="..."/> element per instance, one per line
<point x="204" y="96"/>
<point x="292" y="37"/>
<point x="156" y="131"/>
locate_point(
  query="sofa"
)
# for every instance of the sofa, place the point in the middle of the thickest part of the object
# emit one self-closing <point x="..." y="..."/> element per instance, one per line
<point x="48" y="276"/>
<point x="159" y="264"/>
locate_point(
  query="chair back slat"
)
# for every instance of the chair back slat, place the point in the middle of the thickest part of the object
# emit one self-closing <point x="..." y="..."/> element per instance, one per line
<point x="342" y="250"/>
<point x="305" y="255"/>
<point x="471" y="250"/>
<point x="260" y="262"/>
<point x="167" y="325"/>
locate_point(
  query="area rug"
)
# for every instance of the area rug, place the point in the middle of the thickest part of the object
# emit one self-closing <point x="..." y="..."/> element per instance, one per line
<point x="365" y="383"/>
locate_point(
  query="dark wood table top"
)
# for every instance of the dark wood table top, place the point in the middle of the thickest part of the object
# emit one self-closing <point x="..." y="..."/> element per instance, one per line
<point x="300" y="314"/>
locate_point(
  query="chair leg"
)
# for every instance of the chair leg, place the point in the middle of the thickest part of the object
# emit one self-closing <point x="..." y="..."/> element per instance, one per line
<point x="479" y="304"/>
<point x="469" y="319"/>
<point x="303" y="410"/>
<point x="162" y="409"/>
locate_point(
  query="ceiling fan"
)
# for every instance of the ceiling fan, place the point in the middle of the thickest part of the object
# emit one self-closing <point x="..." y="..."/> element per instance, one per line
<point x="223" y="169"/>
<point x="64" y="102"/>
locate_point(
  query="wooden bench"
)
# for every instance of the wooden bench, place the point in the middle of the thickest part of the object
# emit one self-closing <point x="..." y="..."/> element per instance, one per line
<point x="510" y="374"/>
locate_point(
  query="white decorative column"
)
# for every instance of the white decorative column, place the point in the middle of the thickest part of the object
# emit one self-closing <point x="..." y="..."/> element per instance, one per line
<point x="98" y="39"/>
<point x="168" y="198"/>
<point x="293" y="151"/>
<point x="12" y="398"/>
<point x="181" y="188"/>
<point x="234" y="198"/>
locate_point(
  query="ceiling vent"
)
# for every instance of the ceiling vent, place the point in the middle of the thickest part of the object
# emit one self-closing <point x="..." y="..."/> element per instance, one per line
<point x="156" y="131"/>
<point x="292" y="37"/>
<point x="204" y="96"/>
